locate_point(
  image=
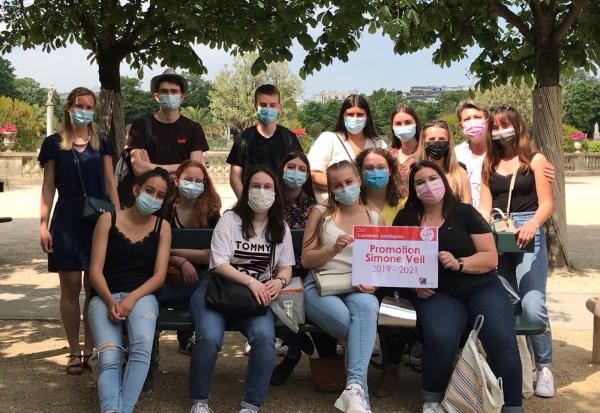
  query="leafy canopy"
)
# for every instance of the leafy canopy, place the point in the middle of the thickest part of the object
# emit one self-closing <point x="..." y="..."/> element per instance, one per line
<point x="581" y="104"/>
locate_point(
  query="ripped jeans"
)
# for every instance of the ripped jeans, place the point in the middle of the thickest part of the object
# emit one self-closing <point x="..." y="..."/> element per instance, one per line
<point x="119" y="392"/>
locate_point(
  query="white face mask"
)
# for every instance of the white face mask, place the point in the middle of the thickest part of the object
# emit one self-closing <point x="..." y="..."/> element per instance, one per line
<point x="260" y="200"/>
<point x="504" y="135"/>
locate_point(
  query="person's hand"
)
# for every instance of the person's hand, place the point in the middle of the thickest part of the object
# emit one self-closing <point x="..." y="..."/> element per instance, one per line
<point x="46" y="241"/>
<point x="526" y="233"/>
<point x="190" y="276"/>
<point x="549" y="173"/>
<point x="125" y="306"/>
<point x="448" y="260"/>
<point x="342" y="242"/>
<point x="274" y="288"/>
<point x="424" y="293"/>
<point x="144" y="155"/>
<point x="113" y="312"/>
<point x="260" y="292"/>
<point x="366" y="289"/>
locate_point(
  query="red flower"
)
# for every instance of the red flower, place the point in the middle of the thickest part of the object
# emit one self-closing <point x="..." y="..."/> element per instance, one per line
<point x="578" y="135"/>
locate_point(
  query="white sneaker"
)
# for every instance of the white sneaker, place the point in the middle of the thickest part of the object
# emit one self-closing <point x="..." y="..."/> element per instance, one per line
<point x="352" y="400"/>
<point x="376" y="351"/>
<point x="545" y="383"/>
<point x="340" y="350"/>
<point x="247" y="348"/>
<point x="281" y="349"/>
<point x="248" y="411"/>
<point x="200" y="408"/>
<point x="432" y="408"/>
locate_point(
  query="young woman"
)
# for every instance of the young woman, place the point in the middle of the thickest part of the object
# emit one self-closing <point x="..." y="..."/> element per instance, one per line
<point x="195" y="204"/>
<point x="407" y="129"/>
<point x="467" y="287"/>
<point x="68" y="242"/>
<point x="240" y="253"/>
<point x="327" y="245"/>
<point x="524" y="275"/>
<point x="353" y="132"/>
<point x="436" y="145"/>
<point x="129" y="262"/>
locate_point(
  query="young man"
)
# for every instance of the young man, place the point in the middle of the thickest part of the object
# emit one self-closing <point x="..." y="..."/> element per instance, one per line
<point x="266" y="143"/>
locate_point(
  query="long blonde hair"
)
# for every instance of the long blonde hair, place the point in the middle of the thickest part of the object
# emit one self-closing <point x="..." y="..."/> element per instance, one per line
<point x="451" y="166"/>
<point x="67" y="134"/>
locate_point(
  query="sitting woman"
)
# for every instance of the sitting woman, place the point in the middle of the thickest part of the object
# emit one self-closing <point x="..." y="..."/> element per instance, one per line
<point x="468" y="286"/>
<point x="194" y="205"/>
<point x="241" y="253"/>
<point x="130" y="252"/>
<point x="327" y="245"/>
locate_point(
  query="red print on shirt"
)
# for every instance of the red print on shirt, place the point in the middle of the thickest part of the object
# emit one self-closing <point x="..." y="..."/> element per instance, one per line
<point x="181" y="140"/>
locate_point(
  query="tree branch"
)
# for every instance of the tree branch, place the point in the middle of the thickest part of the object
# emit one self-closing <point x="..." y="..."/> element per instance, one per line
<point x="135" y="33"/>
<point x="88" y="30"/>
<point x="513" y="19"/>
<point x="561" y="31"/>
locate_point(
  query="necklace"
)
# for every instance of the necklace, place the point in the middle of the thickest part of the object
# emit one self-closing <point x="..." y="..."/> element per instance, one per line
<point x="83" y="143"/>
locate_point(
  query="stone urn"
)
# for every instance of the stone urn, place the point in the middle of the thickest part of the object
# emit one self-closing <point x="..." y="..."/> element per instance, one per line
<point x="577" y="145"/>
<point x="9" y="140"/>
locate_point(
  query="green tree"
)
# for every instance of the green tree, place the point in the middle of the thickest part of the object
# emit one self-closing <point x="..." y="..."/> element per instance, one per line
<point x="212" y="128"/>
<point x="331" y="111"/>
<point x="232" y="93"/>
<point x="518" y="97"/>
<point x="582" y="105"/>
<point x="315" y="130"/>
<point x="578" y="75"/>
<point x="455" y="131"/>
<point x="381" y="110"/>
<point x="29" y="90"/>
<point x="136" y="101"/>
<point x="7" y="79"/>
<point x="311" y="113"/>
<point x="448" y="102"/>
<point x="197" y="95"/>
<point x="24" y="117"/>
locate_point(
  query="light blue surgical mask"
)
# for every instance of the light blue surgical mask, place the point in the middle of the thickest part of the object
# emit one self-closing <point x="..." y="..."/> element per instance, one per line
<point x="406" y="132"/>
<point x="376" y="179"/>
<point x="190" y="190"/>
<point x="146" y="204"/>
<point x="81" y="117"/>
<point x="267" y="115"/>
<point x="355" y="125"/>
<point x="347" y="195"/>
<point x="169" y="102"/>
<point x="293" y="179"/>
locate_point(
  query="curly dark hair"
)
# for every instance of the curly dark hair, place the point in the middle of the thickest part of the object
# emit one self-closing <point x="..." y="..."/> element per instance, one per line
<point x="392" y="193"/>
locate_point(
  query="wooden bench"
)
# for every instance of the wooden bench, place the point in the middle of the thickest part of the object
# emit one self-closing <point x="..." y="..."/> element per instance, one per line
<point x="175" y="315"/>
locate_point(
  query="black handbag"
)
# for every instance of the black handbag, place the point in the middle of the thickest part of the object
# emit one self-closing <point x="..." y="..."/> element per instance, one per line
<point x="92" y="207"/>
<point x="234" y="299"/>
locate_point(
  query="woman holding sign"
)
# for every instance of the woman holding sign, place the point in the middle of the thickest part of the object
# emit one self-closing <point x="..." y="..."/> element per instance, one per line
<point x="467" y="287"/>
<point x="352" y="316"/>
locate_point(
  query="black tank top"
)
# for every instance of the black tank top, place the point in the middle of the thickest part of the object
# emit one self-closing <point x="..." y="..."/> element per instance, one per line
<point x="524" y="197"/>
<point x="128" y="264"/>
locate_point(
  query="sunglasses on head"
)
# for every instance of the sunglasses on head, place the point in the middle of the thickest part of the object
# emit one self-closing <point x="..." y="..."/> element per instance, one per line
<point x="441" y="123"/>
<point x="502" y="107"/>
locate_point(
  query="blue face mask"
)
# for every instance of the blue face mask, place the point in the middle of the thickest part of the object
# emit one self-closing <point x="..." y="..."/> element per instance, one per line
<point x="376" y="179"/>
<point x="267" y="115"/>
<point x="169" y="102"/>
<point x="355" y="125"/>
<point x="405" y="133"/>
<point x="146" y="204"/>
<point x="190" y="190"/>
<point x="348" y="195"/>
<point x="81" y="117"/>
<point x="293" y="179"/>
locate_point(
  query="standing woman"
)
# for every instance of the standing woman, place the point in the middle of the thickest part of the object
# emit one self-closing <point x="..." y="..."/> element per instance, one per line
<point x="241" y="249"/>
<point x="129" y="263"/>
<point x="353" y="132"/>
<point x="349" y="317"/>
<point x="524" y="275"/>
<point x="407" y="129"/>
<point x="68" y="239"/>
<point x="436" y="146"/>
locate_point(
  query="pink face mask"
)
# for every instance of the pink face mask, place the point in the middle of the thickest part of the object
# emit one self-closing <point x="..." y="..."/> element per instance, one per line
<point x="474" y="129"/>
<point x="431" y="192"/>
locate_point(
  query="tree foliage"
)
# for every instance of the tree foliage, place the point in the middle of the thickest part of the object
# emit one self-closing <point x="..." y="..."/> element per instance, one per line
<point x="7" y="79"/>
<point x="232" y="93"/>
<point x="23" y="116"/>
<point x="197" y="95"/>
<point x="212" y="127"/>
<point x="582" y="105"/>
<point x="518" y="97"/>
<point x="136" y="101"/>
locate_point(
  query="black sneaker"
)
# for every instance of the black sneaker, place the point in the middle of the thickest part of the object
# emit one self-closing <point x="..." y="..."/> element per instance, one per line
<point x="283" y="371"/>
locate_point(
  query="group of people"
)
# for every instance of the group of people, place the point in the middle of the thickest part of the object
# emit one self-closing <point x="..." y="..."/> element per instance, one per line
<point x="348" y="178"/>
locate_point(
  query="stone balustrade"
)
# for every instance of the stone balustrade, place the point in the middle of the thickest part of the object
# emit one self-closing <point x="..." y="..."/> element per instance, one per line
<point x="582" y="162"/>
<point x="218" y="168"/>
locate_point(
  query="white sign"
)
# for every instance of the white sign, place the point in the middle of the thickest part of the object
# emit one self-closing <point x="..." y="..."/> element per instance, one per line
<point x="404" y="257"/>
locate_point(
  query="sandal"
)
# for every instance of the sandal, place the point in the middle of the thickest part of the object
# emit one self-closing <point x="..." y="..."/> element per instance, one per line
<point x="74" y="369"/>
<point x="85" y="361"/>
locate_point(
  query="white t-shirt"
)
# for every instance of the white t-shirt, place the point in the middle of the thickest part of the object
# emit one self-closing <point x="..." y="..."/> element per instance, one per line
<point x="474" y="169"/>
<point x="328" y="150"/>
<point x="252" y="256"/>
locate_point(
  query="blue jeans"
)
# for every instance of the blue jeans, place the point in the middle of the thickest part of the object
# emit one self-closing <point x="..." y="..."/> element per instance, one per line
<point x="119" y="392"/>
<point x="444" y="317"/>
<point x="210" y="328"/>
<point x="524" y="276"/>
<point x="349" y="317"/>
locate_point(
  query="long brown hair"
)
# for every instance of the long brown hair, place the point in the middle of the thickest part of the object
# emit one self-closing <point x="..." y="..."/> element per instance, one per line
<point x="495" y="150"/>
<point x="409" y="110"/>
<point x="207" y="205"/>
<point x="361" y="102"/>
<point x="308" y="185"/>
<point x="392" y="191"/>
<point x="67" y="134"/>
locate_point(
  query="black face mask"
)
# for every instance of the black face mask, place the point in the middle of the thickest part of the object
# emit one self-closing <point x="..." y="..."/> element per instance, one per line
<point x="437" y="150"/>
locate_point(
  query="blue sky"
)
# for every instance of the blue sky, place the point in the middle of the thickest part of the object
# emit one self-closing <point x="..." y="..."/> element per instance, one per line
<point x="372" y="67"/>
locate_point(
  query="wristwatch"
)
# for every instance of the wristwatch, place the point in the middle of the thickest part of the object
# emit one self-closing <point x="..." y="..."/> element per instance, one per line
<point x="461" y="264"/>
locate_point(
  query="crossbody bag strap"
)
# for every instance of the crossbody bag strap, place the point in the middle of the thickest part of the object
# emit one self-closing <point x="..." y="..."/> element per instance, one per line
<point x="79" y="170"/>
<point x="272" y="261"/>
<point x="350" y="158"/>
<point x="510" y="191"/>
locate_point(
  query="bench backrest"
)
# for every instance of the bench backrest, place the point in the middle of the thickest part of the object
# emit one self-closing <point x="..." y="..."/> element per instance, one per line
<point x="200" y="238"/>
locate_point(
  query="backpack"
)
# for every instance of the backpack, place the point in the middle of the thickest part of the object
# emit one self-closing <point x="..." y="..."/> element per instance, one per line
<point x="247" y="137"/>
<point x="124" y="175"/>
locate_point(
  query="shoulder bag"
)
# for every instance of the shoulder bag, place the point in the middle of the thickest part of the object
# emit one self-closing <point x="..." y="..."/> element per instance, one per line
<point x="506" y="224"/>
<point x="333" y="282"/>
<point x="289" y="305"/>
<point x="92" y="207"/>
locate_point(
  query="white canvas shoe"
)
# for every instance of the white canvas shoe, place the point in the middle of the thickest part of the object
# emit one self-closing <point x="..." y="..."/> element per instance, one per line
<point x="352" y="400"/>
<point x="200" y="408"/>
<point x="545" y="383"/>
<point x="432" y="408"/>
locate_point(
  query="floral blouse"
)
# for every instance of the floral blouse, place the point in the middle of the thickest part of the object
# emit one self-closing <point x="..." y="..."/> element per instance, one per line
<point x="404" y="169"/>
<point x="296" y="215"/>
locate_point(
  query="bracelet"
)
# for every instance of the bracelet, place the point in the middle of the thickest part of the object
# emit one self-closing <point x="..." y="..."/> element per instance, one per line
<point x="183" y="262"/>
<point x="535" y="222"/>
<point x="249" y="282"/>
<point x="330" y="252"/>
<point x="283" y="281"/>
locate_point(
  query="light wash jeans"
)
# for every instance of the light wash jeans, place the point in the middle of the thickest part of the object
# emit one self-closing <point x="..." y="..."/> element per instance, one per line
<point x="210" y="328"/>
<point x="119" y="392"/>
<point x="349" y="317"/>
<point x="524" y="276"/>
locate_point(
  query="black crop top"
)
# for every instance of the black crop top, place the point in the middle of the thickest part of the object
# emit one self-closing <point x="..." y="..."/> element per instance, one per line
<point x="128" y="265"/>
<point x="524" y="197"/>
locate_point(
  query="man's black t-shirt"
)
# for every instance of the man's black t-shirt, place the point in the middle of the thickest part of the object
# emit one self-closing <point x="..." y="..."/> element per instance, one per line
<point x="262" y="151"/>
<point x="454" y="237"/>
